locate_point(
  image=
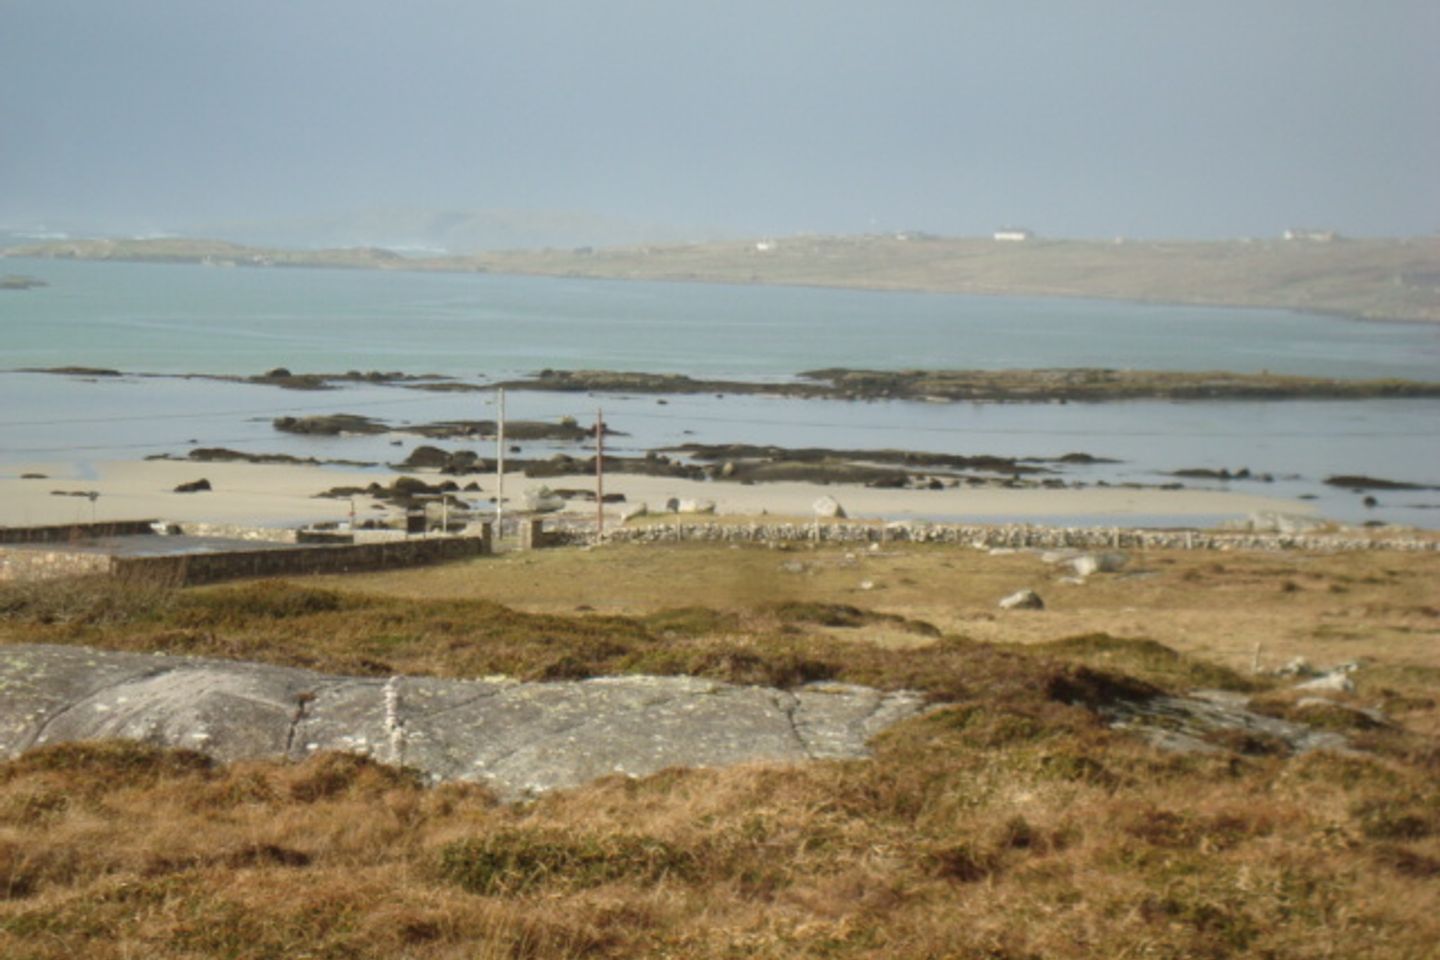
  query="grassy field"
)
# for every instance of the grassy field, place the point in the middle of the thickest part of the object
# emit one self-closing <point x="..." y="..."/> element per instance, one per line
<point x="1012" y="823"/>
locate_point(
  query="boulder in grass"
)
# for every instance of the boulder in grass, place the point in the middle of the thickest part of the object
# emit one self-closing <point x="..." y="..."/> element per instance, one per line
<point x="828" y="508"/>
<point x="1089" y="563"/>
<point x="1023" y="600"/>
<point x="696" y="506"/>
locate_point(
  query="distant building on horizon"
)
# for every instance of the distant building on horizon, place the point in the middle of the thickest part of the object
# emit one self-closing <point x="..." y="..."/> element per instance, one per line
<point x="1311" y="236"/>
<point x="1014" y="235"/>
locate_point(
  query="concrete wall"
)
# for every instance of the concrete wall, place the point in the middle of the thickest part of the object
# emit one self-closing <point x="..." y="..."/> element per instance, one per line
<point x="211" y="567"/>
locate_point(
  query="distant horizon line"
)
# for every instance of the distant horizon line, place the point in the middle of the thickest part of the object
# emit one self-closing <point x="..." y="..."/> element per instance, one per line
<point x="1298" y="234"/>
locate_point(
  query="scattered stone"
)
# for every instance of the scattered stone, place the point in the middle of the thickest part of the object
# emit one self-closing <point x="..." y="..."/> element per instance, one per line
<point x="194" y="486"/>
<point x="1268" y="521"/>
<point x="695" y="506"/>
<point x="1339" y="682"/>
<point x="867" y="584"/>
<point x="1298" y="667"/>
<point x="828" y="508"/>
<point x="632" y="511"/>
<point x="1089" y="563"/>
<point x="793" y="566"/>
<point x="164" y="528"/>
<point x="1023" y="600"/>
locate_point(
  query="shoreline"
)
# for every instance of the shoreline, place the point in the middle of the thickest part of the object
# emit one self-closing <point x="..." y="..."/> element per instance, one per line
<point x="285" y="495"/>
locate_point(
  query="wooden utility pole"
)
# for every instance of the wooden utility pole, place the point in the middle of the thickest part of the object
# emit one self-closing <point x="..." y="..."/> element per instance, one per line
<point x="500" y="465"/>
<point x="599" y="474"/>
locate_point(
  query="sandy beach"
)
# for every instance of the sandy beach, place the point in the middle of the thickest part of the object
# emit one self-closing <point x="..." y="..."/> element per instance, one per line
<point x="285" y="495"/>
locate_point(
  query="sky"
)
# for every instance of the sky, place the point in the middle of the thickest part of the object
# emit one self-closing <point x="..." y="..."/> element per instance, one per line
<point x="1075" y="118"/>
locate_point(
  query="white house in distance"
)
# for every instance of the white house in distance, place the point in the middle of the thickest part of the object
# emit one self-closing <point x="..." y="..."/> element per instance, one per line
<point x="1014" y="235"/>
<point x="1313" y="236"/>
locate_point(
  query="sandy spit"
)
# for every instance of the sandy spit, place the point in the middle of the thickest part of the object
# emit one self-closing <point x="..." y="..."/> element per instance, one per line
<point x="285" y="495"/>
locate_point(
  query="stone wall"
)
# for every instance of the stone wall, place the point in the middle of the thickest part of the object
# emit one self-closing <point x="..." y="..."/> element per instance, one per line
<point x="1009" y="535"/>
<point x="211" y="567"/>
<point x="32" y="564"/>
<point x="71" y="532"/>
<point x="235" y="531"/>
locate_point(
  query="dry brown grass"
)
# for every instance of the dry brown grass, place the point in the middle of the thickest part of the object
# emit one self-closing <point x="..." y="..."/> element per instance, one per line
<point x="1327" y="608"/>
<point x="1010" y="825"/>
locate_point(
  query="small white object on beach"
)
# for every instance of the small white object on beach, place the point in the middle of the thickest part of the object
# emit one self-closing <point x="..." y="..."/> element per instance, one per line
<point x="543" y="500"/>
<point x="828" y="508"/>
<point x="696" y="506"/>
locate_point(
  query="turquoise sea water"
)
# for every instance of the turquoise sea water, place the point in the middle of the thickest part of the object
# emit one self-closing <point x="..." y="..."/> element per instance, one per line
<point x="180" y="319"/>
<point x="184" y="319"/>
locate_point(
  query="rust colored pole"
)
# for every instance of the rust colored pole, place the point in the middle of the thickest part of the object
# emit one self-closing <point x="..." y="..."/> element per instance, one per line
<point x="599" y="474"/>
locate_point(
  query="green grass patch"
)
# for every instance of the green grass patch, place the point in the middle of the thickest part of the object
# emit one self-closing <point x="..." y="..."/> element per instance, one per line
<point x="1150" y="661"/>
<point x="517" y="862"/>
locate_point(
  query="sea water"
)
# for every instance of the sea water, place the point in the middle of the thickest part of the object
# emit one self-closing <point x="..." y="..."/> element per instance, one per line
<point x="179" y="319"/>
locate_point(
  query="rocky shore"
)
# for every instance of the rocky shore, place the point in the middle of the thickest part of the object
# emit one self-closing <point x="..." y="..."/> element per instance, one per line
<point x="1084" y="384"/>
<point x="1059" y="385"/>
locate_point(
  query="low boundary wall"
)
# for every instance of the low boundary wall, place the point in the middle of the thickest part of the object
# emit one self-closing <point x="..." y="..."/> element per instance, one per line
<point x="71" y="532"/>
<point x="26" y="565"/>
<point x="1013" y="535"/>
<point x="195" y="568"/>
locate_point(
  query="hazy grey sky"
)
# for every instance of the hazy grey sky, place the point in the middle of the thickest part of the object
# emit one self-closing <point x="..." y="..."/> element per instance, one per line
<point x="1076" y="118"/>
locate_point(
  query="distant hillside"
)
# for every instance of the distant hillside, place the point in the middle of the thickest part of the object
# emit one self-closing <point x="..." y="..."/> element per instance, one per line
<point x="1373" y="279"/>
<point x="1370" y="279"/>
<point x="448" y="232"/>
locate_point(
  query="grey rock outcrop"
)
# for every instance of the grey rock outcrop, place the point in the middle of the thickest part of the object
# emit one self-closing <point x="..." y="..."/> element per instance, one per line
<point x="1190" y="724"/>
<point x="517" y="738"/>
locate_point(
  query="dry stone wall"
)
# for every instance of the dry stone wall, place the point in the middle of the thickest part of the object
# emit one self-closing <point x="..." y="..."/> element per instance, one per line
<point x="1011" y="535"/>
<point x="33" y="564"/>
<point x="71" y="532"/>
<point x="236" y="564"/>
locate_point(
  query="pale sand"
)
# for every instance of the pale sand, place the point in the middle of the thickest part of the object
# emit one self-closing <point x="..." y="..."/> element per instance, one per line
<point x="284" y="495"/>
